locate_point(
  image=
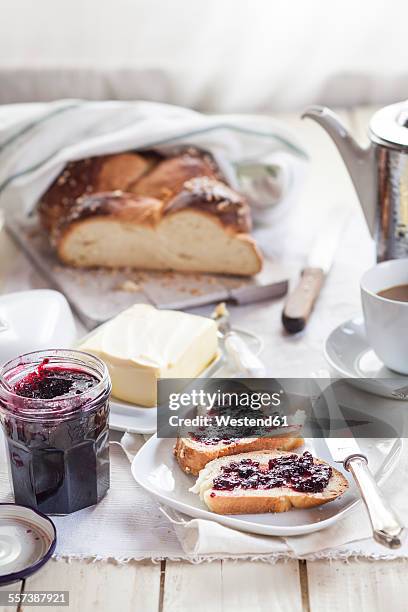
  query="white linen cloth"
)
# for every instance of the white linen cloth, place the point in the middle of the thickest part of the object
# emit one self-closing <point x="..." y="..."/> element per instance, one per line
<point x="37" y="140"/>
<point x="128" y="524"/>
<point x="204" y="537"/>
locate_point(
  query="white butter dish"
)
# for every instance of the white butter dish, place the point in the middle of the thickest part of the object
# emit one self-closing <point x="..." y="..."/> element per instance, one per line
<point x="34" y="320"/>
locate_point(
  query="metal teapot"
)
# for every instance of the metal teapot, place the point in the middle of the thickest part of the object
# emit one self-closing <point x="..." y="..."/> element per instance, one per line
<point x="379" y="173"/>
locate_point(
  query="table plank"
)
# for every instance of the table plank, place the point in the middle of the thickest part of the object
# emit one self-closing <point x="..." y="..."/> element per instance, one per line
<point x="16" y="588"/>
<point x="227" y="586"/>
<point x="377" y="586"/>
<point x="254" y="585"/>
<point x="193" y="587"/>
<point x="101" y="586"/>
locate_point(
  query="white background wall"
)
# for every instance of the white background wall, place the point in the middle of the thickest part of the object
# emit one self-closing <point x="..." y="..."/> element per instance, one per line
<point x="228" y="55"/>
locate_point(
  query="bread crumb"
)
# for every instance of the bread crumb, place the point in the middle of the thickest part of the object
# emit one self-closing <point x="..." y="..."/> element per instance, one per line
<point x="128" y="285"/>
<point x="220" y="311"/>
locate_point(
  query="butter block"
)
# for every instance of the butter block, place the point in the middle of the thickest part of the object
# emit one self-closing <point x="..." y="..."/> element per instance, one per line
<point x="143" y="344"/>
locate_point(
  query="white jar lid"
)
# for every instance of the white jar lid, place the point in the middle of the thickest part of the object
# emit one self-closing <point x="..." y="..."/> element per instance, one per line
<point x="27" y="542"/>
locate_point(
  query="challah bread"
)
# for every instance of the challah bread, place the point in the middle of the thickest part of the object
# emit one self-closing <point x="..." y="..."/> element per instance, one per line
<point x="146" y="212"/>
<point x="122" y="229"/>
<point x="87" y="176"/>
<point x="167" y="179"/>
<point x="193" y="455"/>
<point x="239" y="484"/>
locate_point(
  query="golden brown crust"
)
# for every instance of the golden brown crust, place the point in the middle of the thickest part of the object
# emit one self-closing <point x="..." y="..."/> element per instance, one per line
<point x="167" y="179"/>
<point x="221" y="504"/>
<point x="121" y="206"/>
<point x="213" y="197"/>
<point x="88" y="176"/>
<point x="194" y="457"/>
<point x="247" y="505"/>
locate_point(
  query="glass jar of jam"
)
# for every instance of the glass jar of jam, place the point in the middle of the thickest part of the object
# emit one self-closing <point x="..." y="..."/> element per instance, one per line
<point x="54" y="409"/>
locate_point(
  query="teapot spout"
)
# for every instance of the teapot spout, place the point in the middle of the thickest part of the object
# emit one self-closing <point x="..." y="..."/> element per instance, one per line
<point x="359" y="161"/>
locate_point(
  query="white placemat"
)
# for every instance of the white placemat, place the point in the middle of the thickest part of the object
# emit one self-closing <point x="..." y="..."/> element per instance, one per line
<point x="129" y="525"/>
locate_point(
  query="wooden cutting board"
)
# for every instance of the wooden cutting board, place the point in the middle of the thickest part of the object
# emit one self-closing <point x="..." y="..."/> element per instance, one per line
<point x="99" y="294"/>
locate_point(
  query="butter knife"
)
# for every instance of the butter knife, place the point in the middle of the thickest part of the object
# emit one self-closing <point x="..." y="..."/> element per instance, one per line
<point x="244" y="359"/>
<point x="387" y="529"/>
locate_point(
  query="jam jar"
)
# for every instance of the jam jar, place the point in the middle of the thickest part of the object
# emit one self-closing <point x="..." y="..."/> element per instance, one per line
<point x="54" y="409"/>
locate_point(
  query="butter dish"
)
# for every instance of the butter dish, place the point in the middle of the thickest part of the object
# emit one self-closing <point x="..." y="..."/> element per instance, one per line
<point x="34" y="320"/>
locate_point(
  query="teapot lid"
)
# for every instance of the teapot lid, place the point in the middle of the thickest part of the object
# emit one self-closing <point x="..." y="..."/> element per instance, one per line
<point x="389" y="126"/>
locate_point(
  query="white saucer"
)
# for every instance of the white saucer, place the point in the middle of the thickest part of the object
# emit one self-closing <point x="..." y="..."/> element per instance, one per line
<point x="139" y="419"/>
<point x="157" y="471"/>
<point x="350" y="356"/>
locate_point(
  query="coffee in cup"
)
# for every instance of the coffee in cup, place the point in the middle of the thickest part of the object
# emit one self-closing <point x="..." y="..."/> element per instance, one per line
<point x="384" y="295"/>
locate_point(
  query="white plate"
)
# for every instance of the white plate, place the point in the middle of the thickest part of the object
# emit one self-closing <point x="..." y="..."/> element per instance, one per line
<point x="125" y="416"/>
<point x="350" y="356"/>
<point x="156" y="470"/>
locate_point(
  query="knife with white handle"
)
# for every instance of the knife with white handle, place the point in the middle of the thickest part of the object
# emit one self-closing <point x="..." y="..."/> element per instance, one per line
<point x="300" y="302"/>
<point x="244" y="359"/>
<point x="387" y="529"/>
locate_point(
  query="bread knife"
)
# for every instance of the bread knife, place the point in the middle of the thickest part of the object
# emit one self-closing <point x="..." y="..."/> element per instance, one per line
<point x="247" y="293"/>
<point x="300" y="302"/>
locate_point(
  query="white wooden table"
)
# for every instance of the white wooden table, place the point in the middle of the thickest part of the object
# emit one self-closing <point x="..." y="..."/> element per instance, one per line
<point x="318" y="586"/>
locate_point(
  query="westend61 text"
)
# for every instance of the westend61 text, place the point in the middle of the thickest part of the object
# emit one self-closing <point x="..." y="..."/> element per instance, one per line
<point x="228" y="421"/>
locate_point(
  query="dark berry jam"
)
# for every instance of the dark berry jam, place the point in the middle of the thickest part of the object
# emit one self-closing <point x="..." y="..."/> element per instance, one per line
<point x="49" y="383"/>
<point x="212" y="440"/>
<point x="297" y="472"/>
<point x="56" y="426"/>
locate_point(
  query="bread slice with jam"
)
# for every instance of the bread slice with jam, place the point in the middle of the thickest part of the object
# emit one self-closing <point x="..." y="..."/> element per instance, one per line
<point x="268" y="481"/>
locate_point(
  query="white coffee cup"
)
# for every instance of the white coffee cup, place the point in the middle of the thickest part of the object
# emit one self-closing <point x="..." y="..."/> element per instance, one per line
<point x="386" y="320"/>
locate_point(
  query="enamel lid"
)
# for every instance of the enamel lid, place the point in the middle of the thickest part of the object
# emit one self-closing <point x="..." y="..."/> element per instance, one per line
<point x="27" y="541"/>
<point x="389" y="126"/>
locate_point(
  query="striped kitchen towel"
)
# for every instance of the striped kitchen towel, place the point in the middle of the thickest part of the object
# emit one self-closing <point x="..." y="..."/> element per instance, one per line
<point x="257" y="154"/>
